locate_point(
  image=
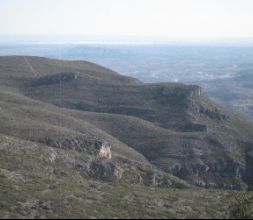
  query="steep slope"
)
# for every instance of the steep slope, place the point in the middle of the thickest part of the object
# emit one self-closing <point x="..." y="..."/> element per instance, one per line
<point x="33" y="185"/>
<point x="106" y="157"/>
<point x="171" y="126"/>
<point x="203" y="159"/>
<point x="39" y="122"/>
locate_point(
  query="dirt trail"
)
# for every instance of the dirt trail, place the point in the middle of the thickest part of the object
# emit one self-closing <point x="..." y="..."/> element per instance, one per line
<point x="30" y="66"/>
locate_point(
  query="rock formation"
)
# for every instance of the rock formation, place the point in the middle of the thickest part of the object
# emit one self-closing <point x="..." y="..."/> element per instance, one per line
<point x="104" y="151"/>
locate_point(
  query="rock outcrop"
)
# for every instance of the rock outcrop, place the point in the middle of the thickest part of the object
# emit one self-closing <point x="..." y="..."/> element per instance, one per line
<point x="215" y="114"/>
<point x="55" y="79"/>
<point x="106" y="170"/>
<point x="196" y="91"/>
<point x="97" y="148"/>
<point x="103" y="151"/>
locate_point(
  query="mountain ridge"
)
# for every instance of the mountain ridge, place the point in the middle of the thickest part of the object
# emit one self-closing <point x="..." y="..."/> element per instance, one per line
<point x="174" y="118"/>
<point x="70" y="130"/>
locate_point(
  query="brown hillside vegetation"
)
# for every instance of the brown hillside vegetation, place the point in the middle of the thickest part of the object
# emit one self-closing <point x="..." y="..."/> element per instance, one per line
<point x="61" y="121"/>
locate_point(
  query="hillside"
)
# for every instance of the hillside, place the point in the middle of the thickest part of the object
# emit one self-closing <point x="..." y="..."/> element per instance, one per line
<point x="33" y="186"/>
<point x="62" y="119"/>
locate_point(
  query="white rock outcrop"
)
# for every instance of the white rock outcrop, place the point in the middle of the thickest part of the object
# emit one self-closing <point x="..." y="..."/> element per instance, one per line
<point x="104" y="152"/>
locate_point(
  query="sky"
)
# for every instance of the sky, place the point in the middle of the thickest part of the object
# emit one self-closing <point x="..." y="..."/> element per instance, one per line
<point x="171" y="19"/>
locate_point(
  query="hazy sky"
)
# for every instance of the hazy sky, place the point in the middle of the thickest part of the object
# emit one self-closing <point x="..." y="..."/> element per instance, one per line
<point x="167" y="18"/>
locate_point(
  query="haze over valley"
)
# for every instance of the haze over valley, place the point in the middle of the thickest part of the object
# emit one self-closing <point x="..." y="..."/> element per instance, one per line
<point x="125" y="109"/>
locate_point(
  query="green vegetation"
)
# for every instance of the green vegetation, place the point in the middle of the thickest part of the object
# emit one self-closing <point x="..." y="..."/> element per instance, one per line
<point x="242" y="207"/>
<point x="38" y="189"/>
<point x="165" y="140"/>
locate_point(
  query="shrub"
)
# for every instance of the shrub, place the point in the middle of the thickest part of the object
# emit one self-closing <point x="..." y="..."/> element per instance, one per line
<point x="242" y="207"/>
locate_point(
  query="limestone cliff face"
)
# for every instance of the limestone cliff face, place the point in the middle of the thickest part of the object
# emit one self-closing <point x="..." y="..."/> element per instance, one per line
<point x="179" y="91"/>
<point x="55" y="79"/>
<point x="196" y="91"/>
<point x="197" y="171"/>
<point x="96" y="148"/>
<point x="104" y="151"/>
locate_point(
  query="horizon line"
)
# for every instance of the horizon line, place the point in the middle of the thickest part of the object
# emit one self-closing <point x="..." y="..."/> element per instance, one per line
<point x="116" y="40"/>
